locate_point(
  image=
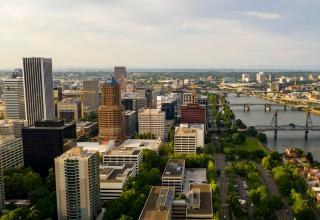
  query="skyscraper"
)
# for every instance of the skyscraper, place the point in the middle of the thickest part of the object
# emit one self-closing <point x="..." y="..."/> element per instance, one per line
<point x="38" y="89"/>
<point x="14" y="98"/>
<point x="111" y="112"/>
<point x="44" y="141"/>
<point x="120" y="73"/>
<point x="90" y="91"/>
<point x="77" y="185"/>
<point x="2" y="196"/>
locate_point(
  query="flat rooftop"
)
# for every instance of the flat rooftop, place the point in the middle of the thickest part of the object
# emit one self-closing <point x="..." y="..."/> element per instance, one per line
<point x="115" y="172"/>
<point x="194" y="176"/>
<point x="205" y="201"/>
<point x="123" y="150"/>
<point x="150" y="210"/>
<point x="142" y="143"/>
<point x="185" y="131"/>
<point x="174" y="168"/>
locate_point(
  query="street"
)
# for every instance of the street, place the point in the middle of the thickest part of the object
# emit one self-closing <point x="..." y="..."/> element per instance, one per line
<point x="220" y="163"/>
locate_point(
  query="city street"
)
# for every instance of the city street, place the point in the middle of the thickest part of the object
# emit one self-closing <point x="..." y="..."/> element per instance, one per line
<point x="220" y="163"/>
<point x="285" y="213"/>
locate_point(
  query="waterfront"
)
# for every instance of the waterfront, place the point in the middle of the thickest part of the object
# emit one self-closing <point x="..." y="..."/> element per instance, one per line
<point x="257" y="116"/>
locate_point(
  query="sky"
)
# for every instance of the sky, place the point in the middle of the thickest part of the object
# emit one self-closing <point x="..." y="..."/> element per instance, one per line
<point x="162" y="33"/>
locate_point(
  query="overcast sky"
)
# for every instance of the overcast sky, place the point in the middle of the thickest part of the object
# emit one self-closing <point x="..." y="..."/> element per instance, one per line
<point x="161" y="33"/>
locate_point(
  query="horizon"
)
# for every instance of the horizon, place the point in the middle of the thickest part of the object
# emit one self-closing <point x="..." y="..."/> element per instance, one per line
<point x="210" y="34"/>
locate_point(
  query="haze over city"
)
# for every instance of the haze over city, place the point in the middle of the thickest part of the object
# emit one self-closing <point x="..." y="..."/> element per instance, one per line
<point x="162" y="33"/>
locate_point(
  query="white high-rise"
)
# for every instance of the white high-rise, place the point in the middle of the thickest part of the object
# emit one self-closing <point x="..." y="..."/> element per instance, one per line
<point x="38" y="89"/>
<point x="14" y="98"/>
<point x="77" y="185"/>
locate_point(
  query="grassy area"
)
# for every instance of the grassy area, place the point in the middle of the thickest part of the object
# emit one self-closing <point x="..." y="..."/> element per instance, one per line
<point x="251" y="144"/>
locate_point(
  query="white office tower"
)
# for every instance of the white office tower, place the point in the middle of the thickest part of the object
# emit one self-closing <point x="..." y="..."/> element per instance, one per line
<point x="14" y="98"/>
<point x="38" y="89"/>
<point x="77" y="185"/>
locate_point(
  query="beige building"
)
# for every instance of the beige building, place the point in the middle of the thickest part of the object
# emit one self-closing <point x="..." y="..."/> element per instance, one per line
<point x="113" y="178"/>
<point x="77" y="185"/>
<point x="152" y="121"/>
<point x="173" y="174"/>
<point x="12" y="127"/>
<point x="69" y="110"/>
<point x="124" y="154"/>
<point x="90" y="92"/>
<point x="11" y="152"/>
<point x="188" y="137"/>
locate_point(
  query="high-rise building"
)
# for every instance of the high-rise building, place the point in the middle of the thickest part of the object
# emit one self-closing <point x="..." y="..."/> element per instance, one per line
<point x="131" y="123"/>
<point x="14" y="98"/>
<point x="11" y="152"/>
<point x="90" y="92"/>
<point x="187" y="139"/>
<point x="2" y="196"/>
<point x="168" y="104"/>
<point x="260" y="77"/>
<point x="111" y="114"/>
<point x="44" y="141"/>
<point x="152" y="121"/>
<point x="12" y="127"/>
<point x="120" y="73"/>
<point x="188" y="97"/>
<point x="77" y="185"/>
<point x="193" y="113"/>
<point x="38" y="89"/>
<point x="245" y="77"/>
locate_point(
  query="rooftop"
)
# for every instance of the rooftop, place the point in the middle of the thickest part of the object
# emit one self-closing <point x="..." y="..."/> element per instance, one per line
<point x="124" y="150"/>
<point x="96" y="146"/>
<point x="194" y="176"/>
<point x="142" y="143"/>
<point x="205" y="200"/>
<point x="185" y="131"/>
<point x="174" y="168"/>
<point x="158" y="204"/>
<point x="75" y="152"/>
<point x="115" y="172"/>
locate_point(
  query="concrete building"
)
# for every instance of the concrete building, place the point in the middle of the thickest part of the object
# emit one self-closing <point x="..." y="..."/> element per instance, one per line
<point x="77" y="185"/>
<point x="11" y="152"/>
<point x="38" y="89"/>
<point x="12" y="127"/>
<point x="159" y="204"/>
<point x="90" y="90"/>
<point x="188" y="97"/>
<point x="86" y="129"/>
<point x="14" y="98"/>
<point x="101" y="148"/>
<point x="173" y="174"/>
<point x="275" y="87"/>
<point x="131" y="123"/>
<point x="133" y="101"/>
<point x="46" y="140"/>
<point x="168" y="104"/>
<point x="152" y="121"/>
<point x="111" y="112"/>
<point x="69" y="110"/>
<point x="200" y="129"/>
<point x="2" y="194"/>
<point x="187" y="139"/>
<point x="120" y="74"/>
<point x="193" y="113"/>
<point x="124" y="154"/>
<point x="143" y="144"/>
<point x="113" y="178"/>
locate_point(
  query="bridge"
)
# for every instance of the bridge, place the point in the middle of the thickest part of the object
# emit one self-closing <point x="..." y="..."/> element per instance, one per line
<point x="275" y="127"/>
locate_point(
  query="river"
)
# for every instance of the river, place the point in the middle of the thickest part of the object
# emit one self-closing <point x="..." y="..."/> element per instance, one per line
<point x="257" y="116"/>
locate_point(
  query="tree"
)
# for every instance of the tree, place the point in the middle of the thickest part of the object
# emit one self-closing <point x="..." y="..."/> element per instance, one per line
<point x="310" y="157"/>
<point x="37" y="194"/>
<point x="252" y="132"/>
<point x="240" y="124"/>
<point x="238" y="138"/>
<point x="262" y="137"/>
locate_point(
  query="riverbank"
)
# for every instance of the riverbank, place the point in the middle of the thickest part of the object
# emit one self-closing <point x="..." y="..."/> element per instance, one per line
<point x="252" y="144"/>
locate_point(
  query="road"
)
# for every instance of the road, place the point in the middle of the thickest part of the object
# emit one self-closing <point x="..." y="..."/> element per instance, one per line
<point x="282" y="214"/>
<point x="220" y="163"/>
<point x="244" y="195"/>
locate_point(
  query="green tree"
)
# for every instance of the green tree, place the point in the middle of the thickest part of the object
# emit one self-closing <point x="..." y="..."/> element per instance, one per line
<point x="252" y="132"/>
<point x="262" y="137"/>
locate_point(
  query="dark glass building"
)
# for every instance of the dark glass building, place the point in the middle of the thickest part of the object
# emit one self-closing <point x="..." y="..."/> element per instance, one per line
<point x="46" y="140"/>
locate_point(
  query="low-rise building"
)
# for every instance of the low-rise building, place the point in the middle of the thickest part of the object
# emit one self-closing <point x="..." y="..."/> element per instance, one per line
<point x="143" y="144"/>
<point x="124" y="154"/>
<point x="102" y="148"/>
<point x="86" y="129"/>
<point x="113" y="177"/>
<point x="188" y="137"/>
<point x="173" y="174"/>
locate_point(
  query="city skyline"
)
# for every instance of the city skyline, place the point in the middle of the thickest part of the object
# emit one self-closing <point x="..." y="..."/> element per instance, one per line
<point x="175" y="34"/>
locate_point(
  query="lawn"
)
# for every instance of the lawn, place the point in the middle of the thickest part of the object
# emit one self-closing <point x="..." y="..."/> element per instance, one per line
<point x="251" y="144"/>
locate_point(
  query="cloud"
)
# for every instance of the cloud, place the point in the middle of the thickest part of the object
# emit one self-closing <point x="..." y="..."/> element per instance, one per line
<point x="264" y="15"/>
